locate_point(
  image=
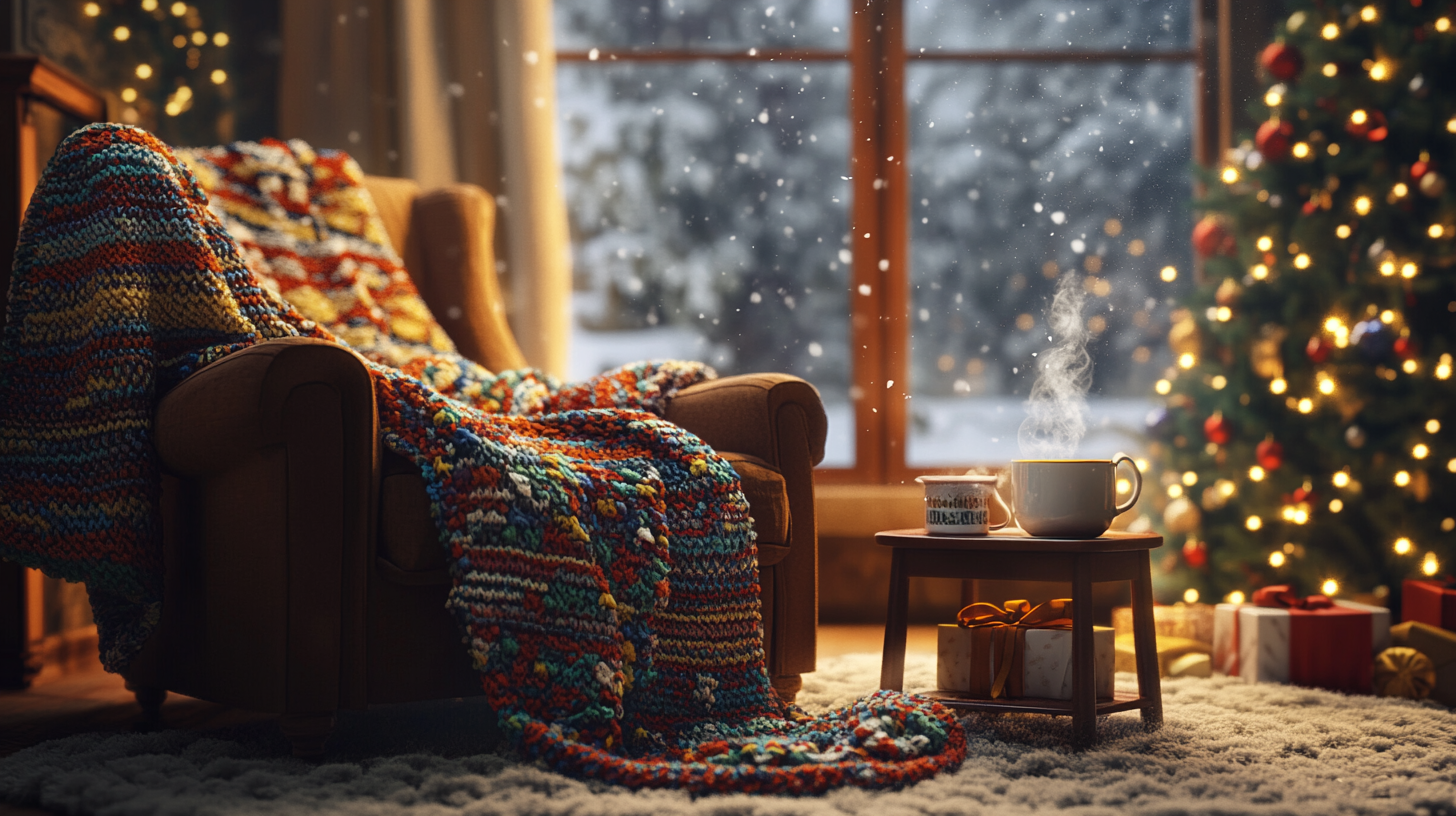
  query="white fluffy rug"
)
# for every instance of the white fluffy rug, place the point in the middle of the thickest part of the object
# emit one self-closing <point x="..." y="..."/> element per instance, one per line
<point x="1227" y="748"/>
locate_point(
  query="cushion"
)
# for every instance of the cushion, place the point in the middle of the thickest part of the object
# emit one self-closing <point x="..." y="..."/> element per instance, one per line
<point x="409" y="544"/>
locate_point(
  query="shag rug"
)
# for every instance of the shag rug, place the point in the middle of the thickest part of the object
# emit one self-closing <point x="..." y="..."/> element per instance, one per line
<point x="1226" y="748"/>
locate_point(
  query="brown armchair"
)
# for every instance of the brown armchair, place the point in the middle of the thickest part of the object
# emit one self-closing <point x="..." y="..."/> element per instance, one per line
<point x="304" y="574"/>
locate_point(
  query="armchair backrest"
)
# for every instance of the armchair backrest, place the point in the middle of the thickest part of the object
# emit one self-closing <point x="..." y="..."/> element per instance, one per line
<point x="445" y="237"/>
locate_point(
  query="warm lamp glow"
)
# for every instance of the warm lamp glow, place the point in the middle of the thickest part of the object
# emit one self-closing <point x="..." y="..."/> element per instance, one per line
<point x="1409" y="270"/>
<point x="1330" y="69"/>
<point x="1420" y="451"/>
<point x="1409" y="366"/>
<point x="128" y="94"/>
<point x="1223" y="314"/>
<point x="1443" y="24"/>
<point x="1175" y="490"/>
<point x="1190" y="478"/>
<point x="1436" y="231"/>
<point x="1327" y="386"/>
<point x="1336" y="505"/>
<point x="1433" y="426"/>
<point x="1429" y="564"/>
<point x="1187" y="361"/>
<point x="1399" y="190"/>
<point x="1259" y="272"/>
<point x="1300" y="150"/>
<point x="219" y="76"/>
<point x="1368" y="14"/>
<point x="220" y="39"/>
<point x="1306" y="405"/>
<point x="179" y="8"/>
<point x="1359" y="117"/>
<point x="1387" y="268"/>
<point x="1218" y="382"/>
<point x="122" y="33"/>
<point x="1340" y="479"/>
<point x="144" y="71"/>
<point x="1380" y="71"/>
<point x="1301" y="261"/>
<point x="91" y="10"/>
<point x="1273" y="98"/>
<point x="1278" y="385"/>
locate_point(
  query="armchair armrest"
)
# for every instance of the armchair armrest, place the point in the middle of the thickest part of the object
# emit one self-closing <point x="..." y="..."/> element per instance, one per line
<point x="743" y="414"/>
<point x="272" y="462"/>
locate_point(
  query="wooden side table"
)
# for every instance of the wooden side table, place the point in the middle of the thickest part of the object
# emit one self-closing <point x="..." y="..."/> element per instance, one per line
<point x="1011" y="554"/>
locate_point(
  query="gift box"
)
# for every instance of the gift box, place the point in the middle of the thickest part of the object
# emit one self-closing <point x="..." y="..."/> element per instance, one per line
<point x="1180" y="620"/>
<point x="1313" y="641"/>
<point x="1437" y="644"/>
<point x="1430" y="602"/>
<point x="1177" y="656"/>
<point x="1018" y="651"/>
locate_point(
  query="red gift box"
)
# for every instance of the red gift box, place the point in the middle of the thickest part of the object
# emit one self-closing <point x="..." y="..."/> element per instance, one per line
<point x="1430" y="602"/>
<point x="1313" y="641"/>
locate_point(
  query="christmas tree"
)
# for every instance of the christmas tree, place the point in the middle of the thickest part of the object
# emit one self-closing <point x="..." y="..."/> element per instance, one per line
<point x="1307" y="433"/>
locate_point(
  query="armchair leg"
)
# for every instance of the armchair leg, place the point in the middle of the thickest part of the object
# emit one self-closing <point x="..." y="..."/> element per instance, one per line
<point x="307" y="733"/>
<point x="150" y="699"/>
<point x="787" y="686"/>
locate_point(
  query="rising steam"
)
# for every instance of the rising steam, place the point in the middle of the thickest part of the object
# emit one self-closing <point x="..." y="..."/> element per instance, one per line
<point x="1056" y="412"/>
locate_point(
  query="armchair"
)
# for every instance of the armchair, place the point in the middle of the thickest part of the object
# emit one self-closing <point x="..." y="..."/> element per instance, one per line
<point x="303" y="571"/>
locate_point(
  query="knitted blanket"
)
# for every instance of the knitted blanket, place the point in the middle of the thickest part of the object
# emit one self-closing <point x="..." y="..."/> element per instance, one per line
<point x="605" y="577"/>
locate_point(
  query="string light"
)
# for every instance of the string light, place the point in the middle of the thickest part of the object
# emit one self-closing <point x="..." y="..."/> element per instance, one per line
<point x="1225" y="488"/>
<point x="1300" y="150"/>
<point x="1276" y="559"/>
<point x="149" y="5"/>
<point x="1218" y="382"/>
<point x="1368" y="14"/>
<point x="122" y="33"/>
<point x="1387" y="268"/>
<point x="1329" y="587"/>
<point x="1301" y="261"/>
<point x="199" y="38"/>
<point x="1342" y="231"/>
<point x="1436" y="231"/>
<point x="1402" y="546"/>
<point x="1359" y="116"/>
<point x="1448" y="524"/>
<point x="1402" y="478"/>
<point x="1443" y="24"/>
<point x="1190" y="478"/>
<point x="1399" y="190"/>
<point x="1223" y="314"/>
<point x="1429" y="564"/>
<point x="1169" y="274"/>
<point x="1273" y="98"/>
<point x="179" y="8"/>
<point x="1229" y="175"/>
<point x="1253" y="523"/>
<point x="1340" y="479"/>
<point x="1336" y="505"/>
<point x="1333" y="149"/>
<point x="1278" y="385"/>
<point x="1190" y="595"/>
<point x="1236" y="597"/>
<point x="1433" y="426"/>
<point x="1259" y="272"/>
<point x="144" y="71"/>
<point x="1362" y="204"/>
<point x="1443" y="369"/>
<point x="1306" y="405"/>
<point x="220" y="39"/>
<point x="1380" y="71"/>
<point x="1420" y="451"/>
<point x="1327" y="386"/>
<point x="91" y="10"/>
<point x="1256" y="474"/>
<point x="219" y="76"/>
<point x="1409" y="366"/>
<point x="1175" y="491"/>
<point x="1451" y="465"/>
<point x="1162" y="386"/>
<point x="128" y="94"/>
<point x="1265" y="243"/>
<point x="1451" y="125"/>
<point x="1330" y="31"/>
<point x="1330" y="69"/>
<point x="1409" y="270"/>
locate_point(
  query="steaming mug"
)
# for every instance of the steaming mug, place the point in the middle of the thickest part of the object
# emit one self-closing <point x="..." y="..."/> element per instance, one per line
<point x="1070" y="498"/>
<point x="963" y="505"/>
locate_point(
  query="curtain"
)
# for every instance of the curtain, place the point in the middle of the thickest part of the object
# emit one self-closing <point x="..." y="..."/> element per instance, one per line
<point x="444" y="91"/>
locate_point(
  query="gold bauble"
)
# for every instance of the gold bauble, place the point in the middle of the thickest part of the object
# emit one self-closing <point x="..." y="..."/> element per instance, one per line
<point x="1183" y="338"/>
<point x="1432" y="184"/>
<point x="1401" y="671"/>
<point x="1264" y="352"/>
<point x="1213" y="499"/>
<point x="1181" y="516"/>
<point x="1228" y="292"/>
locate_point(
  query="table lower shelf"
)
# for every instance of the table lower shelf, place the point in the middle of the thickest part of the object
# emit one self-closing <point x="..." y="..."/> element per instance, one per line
<point x="1121" y="701"/>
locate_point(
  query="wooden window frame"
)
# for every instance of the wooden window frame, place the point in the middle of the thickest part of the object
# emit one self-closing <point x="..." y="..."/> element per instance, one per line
<point x="879" y="323"/>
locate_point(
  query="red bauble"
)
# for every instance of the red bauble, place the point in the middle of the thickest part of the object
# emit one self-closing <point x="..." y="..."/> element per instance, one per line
<point x="1404" y="347"/>
<point x="1270" y="454"/>
<point x="1373" y="128"/>
<point x="1217" y="428"/>
<point x="1317" y="350"/>
<point x="1282" y="61"/>
<point x="1211" y="237"/>
<point x="1195" y="552"/>
<point x="1302" y="495"/>
<point x="1419" y="169"/>
<point x="1274" y="139"/>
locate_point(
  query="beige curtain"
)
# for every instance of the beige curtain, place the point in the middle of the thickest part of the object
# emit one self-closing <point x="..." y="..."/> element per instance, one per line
<point x="445" y="91"/>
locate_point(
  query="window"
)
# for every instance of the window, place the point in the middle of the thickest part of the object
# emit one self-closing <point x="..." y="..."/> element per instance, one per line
<point x="879" y="196"/>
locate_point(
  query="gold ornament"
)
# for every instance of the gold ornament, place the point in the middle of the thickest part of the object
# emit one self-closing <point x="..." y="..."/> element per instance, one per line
<point x="1183" y="337"/>
<point x="1181" y="516"/>
<point x="1401" y="671"/>
<point x="1432" y="184"/>
<point x="1228" y="292"/>
<point x="1214" y="499"/>
<point x="1264" y="354"/>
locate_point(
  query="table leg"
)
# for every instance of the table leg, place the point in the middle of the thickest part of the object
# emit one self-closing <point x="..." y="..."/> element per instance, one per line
<point x="892" y="664"/>
<point x="1084" y="677"/>
<point x="1145" y="643"/>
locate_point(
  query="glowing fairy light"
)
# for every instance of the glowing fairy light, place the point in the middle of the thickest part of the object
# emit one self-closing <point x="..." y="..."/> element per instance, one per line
<point x="1329" y="587"/>
<point x="1265" y="243"/>
<point x="1276" y="559"/>
<point x="1235" y="597"/>
<point x="1402" y="546"/>
<point x="1253" y="523"/>
<point x="1190" y="595"/>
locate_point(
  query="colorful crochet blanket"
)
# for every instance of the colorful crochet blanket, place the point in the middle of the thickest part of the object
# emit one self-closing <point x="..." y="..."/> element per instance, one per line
<point x="605" y="577"/>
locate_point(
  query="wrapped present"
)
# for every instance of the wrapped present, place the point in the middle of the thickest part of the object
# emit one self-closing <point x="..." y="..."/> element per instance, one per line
<point x="1439" y="646"/>
<point x="1018" y="650"/>
<point x="1177" y="656"/>
<point x="1313" y="641"/>
<point x="1430" y="602"/>
<point x="1401" y="671"/>
<point x="1181" y="620"/>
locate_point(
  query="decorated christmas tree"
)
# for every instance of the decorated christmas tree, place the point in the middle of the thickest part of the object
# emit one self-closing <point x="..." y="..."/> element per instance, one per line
<point x="1308" y="431"/>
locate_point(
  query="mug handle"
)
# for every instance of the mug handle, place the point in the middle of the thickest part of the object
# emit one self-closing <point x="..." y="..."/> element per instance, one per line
<point x="997" y="507"/>
<point x="1137" y="481"/>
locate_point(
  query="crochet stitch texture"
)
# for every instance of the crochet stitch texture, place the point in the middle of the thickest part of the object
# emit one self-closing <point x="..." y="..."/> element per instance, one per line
<point x="605" y="577"/>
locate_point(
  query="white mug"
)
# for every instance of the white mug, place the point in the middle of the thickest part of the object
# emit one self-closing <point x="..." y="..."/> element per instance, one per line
<point x="1070" y="498"/>
<point x="962" y="505"/>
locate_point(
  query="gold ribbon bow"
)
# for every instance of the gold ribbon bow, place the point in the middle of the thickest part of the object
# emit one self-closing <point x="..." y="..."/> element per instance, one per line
<point x="1008" y="624"/>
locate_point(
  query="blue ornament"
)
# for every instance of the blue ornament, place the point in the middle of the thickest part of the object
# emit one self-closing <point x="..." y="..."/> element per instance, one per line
<point x="1373" y="338"/>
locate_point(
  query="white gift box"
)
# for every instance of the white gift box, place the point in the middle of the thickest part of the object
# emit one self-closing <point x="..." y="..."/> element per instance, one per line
<point x="1256" y="645"/>
<point x="1046" y="664"/>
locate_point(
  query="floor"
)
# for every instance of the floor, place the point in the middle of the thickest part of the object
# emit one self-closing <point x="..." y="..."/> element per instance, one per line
<point x="97" y="701"/>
